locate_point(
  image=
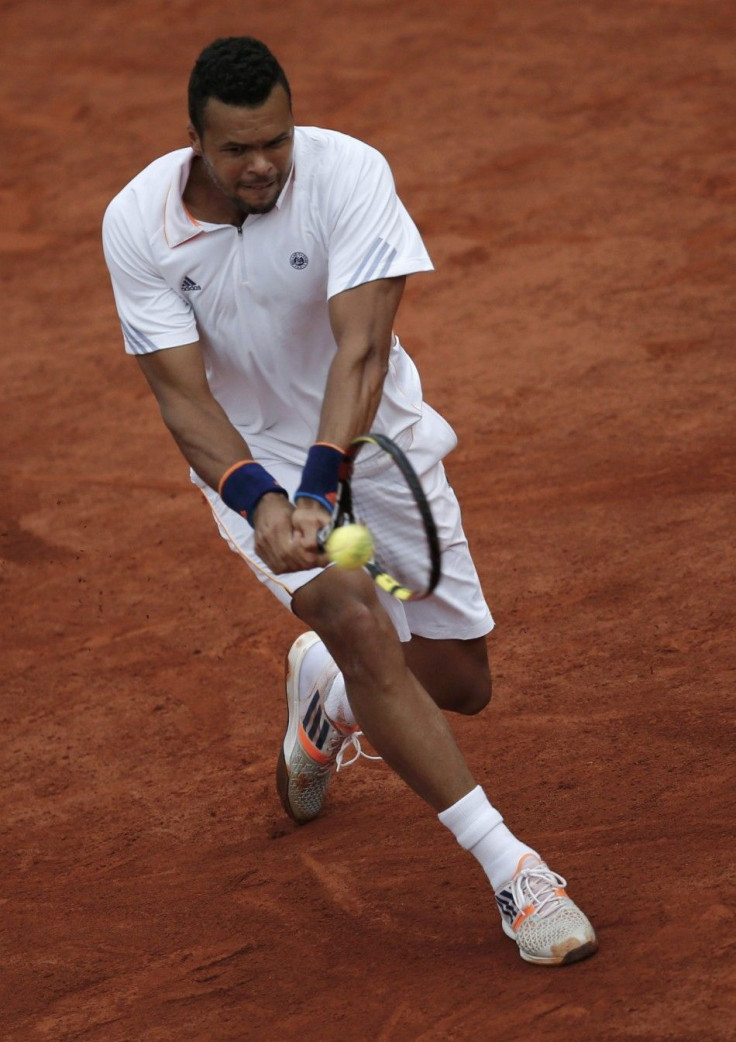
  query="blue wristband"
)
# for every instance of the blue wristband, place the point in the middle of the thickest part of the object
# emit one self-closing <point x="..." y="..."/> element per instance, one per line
<point x="320" y="474"/>
<point x="243" y="486"/>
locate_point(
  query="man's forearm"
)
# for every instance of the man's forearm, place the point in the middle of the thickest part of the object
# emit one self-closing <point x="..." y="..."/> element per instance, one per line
<point x="205" y="436"/>
<point x="352" y="396"/>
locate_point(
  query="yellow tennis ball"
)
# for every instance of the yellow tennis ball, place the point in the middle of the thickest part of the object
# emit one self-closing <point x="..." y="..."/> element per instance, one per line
<point x="350" y="546"/>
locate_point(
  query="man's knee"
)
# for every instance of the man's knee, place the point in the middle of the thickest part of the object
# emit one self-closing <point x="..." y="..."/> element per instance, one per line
<point x="348" y="616"/>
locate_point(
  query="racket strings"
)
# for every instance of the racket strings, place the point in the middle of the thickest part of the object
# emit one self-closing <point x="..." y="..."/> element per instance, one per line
<point x="385" y="502"/>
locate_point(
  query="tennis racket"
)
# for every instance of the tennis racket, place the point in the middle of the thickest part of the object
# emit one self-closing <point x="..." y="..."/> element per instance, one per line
<point x="376" y="483"/>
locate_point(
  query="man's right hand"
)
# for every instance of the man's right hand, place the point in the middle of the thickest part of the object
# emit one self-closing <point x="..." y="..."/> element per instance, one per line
<point x="277" y="542"/>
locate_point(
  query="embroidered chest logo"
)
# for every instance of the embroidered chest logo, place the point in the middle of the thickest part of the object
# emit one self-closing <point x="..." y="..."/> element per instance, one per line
<point x="189" y="285"/>
<point x="299" y="260"/>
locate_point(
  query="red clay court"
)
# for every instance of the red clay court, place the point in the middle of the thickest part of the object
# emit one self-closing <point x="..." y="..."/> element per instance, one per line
<point x="572" y="169"/>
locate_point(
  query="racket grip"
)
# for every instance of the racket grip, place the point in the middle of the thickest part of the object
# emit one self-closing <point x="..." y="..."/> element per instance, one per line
<point x="323" y="535"/>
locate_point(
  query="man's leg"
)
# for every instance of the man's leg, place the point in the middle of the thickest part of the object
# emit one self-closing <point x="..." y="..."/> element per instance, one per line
<point x="455" y="673"/>
<point x="393" y="709"/>
<point x="408" y="729"/>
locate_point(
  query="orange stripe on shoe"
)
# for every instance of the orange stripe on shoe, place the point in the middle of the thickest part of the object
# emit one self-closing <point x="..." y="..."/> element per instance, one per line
<point x="521" y="917"/>
<point x="310" y="748"/>
<point x="342" y="728"/>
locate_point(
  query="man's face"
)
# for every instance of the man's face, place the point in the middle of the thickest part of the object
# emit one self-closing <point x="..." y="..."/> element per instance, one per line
<point x="247" y="152"/>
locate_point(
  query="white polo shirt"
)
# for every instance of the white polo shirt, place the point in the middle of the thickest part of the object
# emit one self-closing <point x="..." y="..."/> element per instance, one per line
<point x="256" y="298"/>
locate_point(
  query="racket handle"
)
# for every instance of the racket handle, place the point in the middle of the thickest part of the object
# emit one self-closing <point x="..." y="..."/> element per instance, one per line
<point x="323" y="535"/>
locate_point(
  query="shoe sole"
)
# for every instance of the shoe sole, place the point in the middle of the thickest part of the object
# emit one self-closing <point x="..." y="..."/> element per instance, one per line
<point x="282" y="787"/>
<point x="294" y="660"/>
<point x="583" y="951"/>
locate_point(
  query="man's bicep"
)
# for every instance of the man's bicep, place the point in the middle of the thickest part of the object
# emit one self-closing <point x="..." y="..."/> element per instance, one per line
<point x="366" y="311"/>
<point x="175" y="372"/>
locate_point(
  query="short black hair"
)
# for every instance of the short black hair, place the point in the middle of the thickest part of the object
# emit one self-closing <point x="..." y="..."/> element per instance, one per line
<point x="237" y="70"/>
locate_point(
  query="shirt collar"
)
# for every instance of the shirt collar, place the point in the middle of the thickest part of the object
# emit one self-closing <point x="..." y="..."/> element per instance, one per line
<point x="179" y="225"/>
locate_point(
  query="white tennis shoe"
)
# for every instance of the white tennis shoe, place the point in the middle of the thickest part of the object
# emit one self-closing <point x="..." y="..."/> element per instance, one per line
<point x="313" y="746"/>
<point x="537" y="913"/>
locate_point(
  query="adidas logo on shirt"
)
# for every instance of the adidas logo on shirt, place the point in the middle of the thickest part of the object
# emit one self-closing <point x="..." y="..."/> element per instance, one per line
<point x="189" y="285"/>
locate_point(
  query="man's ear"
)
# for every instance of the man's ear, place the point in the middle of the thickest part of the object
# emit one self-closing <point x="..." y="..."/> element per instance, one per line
<point x="194" y="140"/>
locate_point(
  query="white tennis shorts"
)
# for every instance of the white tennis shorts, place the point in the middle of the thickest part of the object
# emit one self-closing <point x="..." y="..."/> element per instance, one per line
<point x="456" y="609"/>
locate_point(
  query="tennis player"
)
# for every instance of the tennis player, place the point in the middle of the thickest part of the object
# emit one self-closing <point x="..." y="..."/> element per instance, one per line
<point x="257" y="275"/>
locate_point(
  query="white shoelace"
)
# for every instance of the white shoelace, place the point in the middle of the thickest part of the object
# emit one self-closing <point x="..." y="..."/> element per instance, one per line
<point x="538" y="886"/>
<point x="354" y="741"/>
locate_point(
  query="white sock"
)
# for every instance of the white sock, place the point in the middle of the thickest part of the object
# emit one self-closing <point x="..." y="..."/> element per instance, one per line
<point x="337" y="707"/>
<point x="316" y="663"/>
<point x="478" y="827"/>
<point x="318" y="668"/>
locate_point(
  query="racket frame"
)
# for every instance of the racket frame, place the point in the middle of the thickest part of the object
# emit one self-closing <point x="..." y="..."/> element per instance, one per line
<point x="343" y="514"/>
